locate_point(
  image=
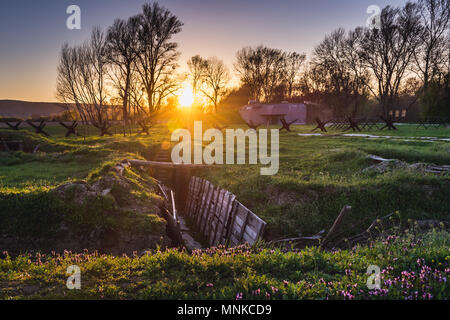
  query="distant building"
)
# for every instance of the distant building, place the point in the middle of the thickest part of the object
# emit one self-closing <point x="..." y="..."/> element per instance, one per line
<point x="262" y="114"/>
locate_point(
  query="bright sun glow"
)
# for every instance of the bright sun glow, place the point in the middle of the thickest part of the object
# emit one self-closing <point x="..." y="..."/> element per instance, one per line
<point x="186" y="98"/>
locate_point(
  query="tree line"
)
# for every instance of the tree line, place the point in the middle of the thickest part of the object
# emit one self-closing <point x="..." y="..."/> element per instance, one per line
<point x="133" y="64"/>
<point x="406" y="54"/>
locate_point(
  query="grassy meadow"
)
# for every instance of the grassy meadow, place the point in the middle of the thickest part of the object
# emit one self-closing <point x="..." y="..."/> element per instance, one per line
<point x="412" y="267"/>
<point x="318" y="175"/>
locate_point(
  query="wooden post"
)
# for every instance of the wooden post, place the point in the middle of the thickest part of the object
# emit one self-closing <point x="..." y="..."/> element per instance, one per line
<point x="336" y="224"/>
<point x="5" y="145"/>
<point x="174" y="210"/>
<point x="229" y="224"/>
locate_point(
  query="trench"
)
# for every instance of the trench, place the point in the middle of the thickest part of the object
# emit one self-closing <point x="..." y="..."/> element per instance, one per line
<point x="199" y="210"/>
<point x="173" y="185"/>
<point x="7" y="145"/>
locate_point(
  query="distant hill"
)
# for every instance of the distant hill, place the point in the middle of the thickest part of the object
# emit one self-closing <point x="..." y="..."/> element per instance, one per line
<point x="24" y="109"/>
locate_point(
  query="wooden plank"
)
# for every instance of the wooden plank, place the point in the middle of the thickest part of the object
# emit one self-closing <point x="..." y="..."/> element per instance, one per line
<point x="165" y="165"/>
<point x="212" y="219"/>
<point x="196" y="207"/>
<point x="207" y="219"/>
<point x="250" y="232"/>
<point x="224" y="218"/>
<point x="206" y="204"/>
<point x="215" y="217"/>
<point x="191" y="195"/>
<point x="246" y="213"/>
<point x="220" y="217"/>
<point x="202" y="201"/>
<point x="337" y="223"/>
<point x="247" y="238"/>
<point x="233" y="241"/>
<point x="261" y="230"/>
<point x="196" y="194"/>
<point x="228" y="236"/>
<point x="246" y="226"/>
<point x="174" y="209"/>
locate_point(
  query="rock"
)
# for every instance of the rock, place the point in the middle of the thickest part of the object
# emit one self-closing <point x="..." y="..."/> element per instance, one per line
<point x="106" y="192"/>
<point x="78" y="192"/>
<point x="386" y="166"/>
<point x="420" y="166"/>
<point x="103" y="184"/>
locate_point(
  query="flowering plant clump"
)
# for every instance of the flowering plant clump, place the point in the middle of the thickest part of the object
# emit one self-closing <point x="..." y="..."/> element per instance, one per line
<point x="411" y="267"/>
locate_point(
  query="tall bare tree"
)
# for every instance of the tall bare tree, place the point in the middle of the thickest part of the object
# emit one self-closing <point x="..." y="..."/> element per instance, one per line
<point x="68" y="79"/>
<point x="82" y="76"/>
<point x="262" y="69"/>
<point x="249" y="67"/>
<point x="157" y="55"/>
<point x="273" y="73"/>
<point x="388" y="51"/>
<point x="358" y="73"/>
<point x="122" y="48"/>
<point x="215" y="78"/>
<point x="332" y="71"/>
<point x="430" y="56"/>
<point x="293" y="63"/>
<point x="140" y="112"/>
<point x="196" y="65"/>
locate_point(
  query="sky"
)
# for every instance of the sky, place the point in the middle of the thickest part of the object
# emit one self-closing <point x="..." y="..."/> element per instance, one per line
<point x="32" y="32"/>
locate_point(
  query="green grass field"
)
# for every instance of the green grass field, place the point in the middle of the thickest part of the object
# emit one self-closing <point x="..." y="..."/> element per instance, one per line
<point x="318" y="175"/>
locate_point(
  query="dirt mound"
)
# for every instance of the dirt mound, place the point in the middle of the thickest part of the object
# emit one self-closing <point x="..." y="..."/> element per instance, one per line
<point x="114" y="214"/>
<point x="387" y="165"/>
<point x="283" y="197"/>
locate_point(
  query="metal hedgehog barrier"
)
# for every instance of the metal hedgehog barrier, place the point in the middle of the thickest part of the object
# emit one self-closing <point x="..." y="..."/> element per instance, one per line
<point x="220" y="217"/>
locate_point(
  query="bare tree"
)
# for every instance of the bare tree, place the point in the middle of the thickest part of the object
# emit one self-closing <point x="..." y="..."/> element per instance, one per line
<point x="330" y="69"/>
<point x="122" y="48"/>
<point x="262" y="69"/>
<point x="81" y="80"/>
<point x="139" y="111"/>
<point x="430" y="57"/>
<point x="196" y="66"/>
<point x="215" y="78"/>
<point x="359" y="75"/>
<point x="293" y="63"/>
<point x="249" y="67"/>
<point x="387" y="51"/>
<point x="273" y="73"/>
<point x="68" y="79"/>
<point x="157" y="55"/>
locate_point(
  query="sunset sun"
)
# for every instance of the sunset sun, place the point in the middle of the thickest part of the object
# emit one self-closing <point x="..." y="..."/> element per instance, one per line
<point x="186" y="97"/>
